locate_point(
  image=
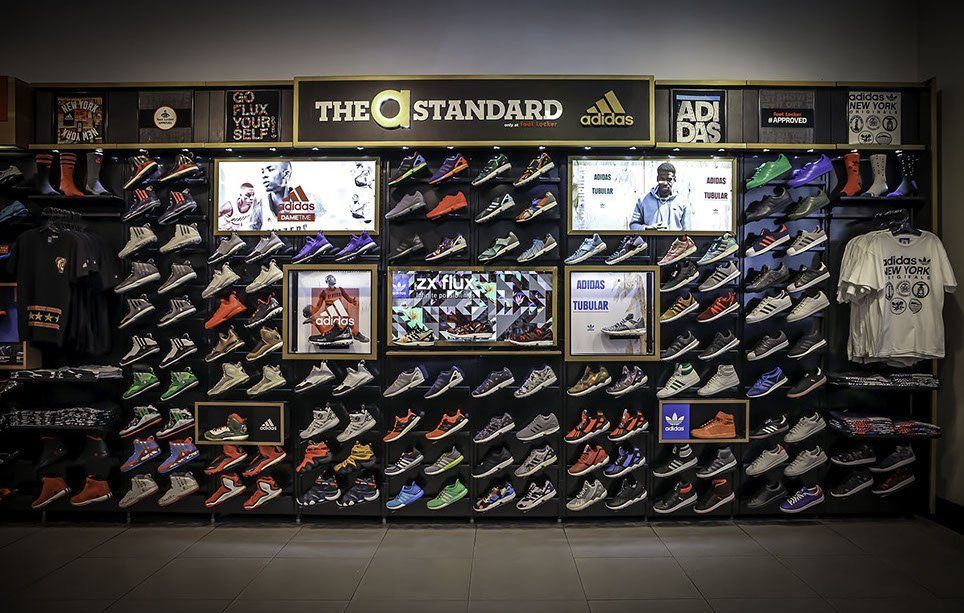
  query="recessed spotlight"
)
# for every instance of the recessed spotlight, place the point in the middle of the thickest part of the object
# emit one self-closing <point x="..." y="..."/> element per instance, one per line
<point x="314" y="148"/>
<point x="633" y="148"/>
<point x="229" y="149"/>
<point x="766" y="151"/>
<point x="542" y="147"/>
<point x="359" y="147"/>
<point x="809" y="150"/>
<point x="676" y="149"/>
<point x="587" y="147"/>
<point x="272" y="149"/>
<point x="496" y="147"/>
<point x="720" y="149"/>
<point x="404" y="147"/>
<point x="450" y="147"/>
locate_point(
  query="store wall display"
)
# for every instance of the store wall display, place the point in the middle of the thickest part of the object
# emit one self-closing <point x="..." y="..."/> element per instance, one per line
<point x="252" y="115"/>
<point x="452" y="305"/>
<point x="13" y="351"/>
<point x="240" y="423"/>
<point x="787" y="116"/>
<point x="698" y="115"/>
<point x="165" y="116"/>
<point x="651" y="195"/>
<point x="873" y="117"/>
<point x="297" y="196"/>
<point x="612" y="313"/>
<point x="329" y="311"/>
<point x="704" y="421"/>
<point x="533" y="110"/>
<point x="79" y="118"/>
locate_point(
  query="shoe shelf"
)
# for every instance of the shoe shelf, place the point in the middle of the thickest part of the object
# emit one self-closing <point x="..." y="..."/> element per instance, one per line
<point x="62" y="199"/>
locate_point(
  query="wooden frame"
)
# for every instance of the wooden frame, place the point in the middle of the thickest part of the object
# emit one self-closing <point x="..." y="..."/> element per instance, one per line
<point x="282" y="428"/>
<point x="710" y="441"/>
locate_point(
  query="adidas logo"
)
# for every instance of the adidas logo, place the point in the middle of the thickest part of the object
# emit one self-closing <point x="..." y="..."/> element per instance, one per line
<point x="335" y="314"/>
<point x="674" y="419"/>
<point x="925" y="261"/>
<point x="268" y="426"/>
<point x="607" y="111"/>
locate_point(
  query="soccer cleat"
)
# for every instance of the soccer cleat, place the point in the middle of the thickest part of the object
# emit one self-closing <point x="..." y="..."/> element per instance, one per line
<point x="590" y="493"/>
<point x="268" y="456"/>
<point x="409" y="167"/>
<point x="266" y="246"/>
<point x="269" y="340"/>
<point x="144" y="450"/>
<point x="142" y="380"/>
<point x="681" y="458"/>
<point x="136" y="309"/>
<point x="227" y="247"/>
<point x="181" y="347"/>
<point x="409" y="494"/>
<point x="588" y="248"/>
<point x="141" y="168"/>
<point x="768" y="307"/>
<point x="184" y="168"/>
<point x="180" y="273"/>
<point x="271" y="378"/>
<point x="590" y="381"/>
<point x="449" y="495"/>
<point x="770" y="205"/>
<point x="540" y="426"/>
<point x="449" y="424"/>
<point x="451" y="166"/>
<point x="178" y="420"/>
<point x="230" y="485"/>
<point x="587" y="428"/>
<point x="805" y="498"/>
<point x="359" y="422"/>
<point x="139" y="237"/>
<point x="721" y="426"/>
<point x="769" y="171"/>
<point x="630" y="379"/>
<point x="221" y="280"/>
<point x="767" y="346"/>
<point x="144" y="417"/>
<point x="496" y="208"/>
<point x="408" y="204"/>
<point x="497" y="496"/>
<point x="500" y="247"/>
<point x="232" y="376"/>
<point x="322" y="420"/>
<point x="807" y="384"/>
<point x="629" y="247"/>
<point x="684" y="377"/>
<point x="178" y="309"/>
<point x="681" y="248"/>
<point x="182" y="485"/>
<point x="808" y="305"/>
<point x="52" y="489"/>
<point x="268" y="276"/>
<point x="539" y="166"/>
<point x="492" y="169"/>
<point x="184" y="236"/>
<point x="537" y="207"/>
<point x="538" y="459"/>
<point x="229" y="307"/>
<point x="266" y="309"/>
<point x="142" y="488"/>
<point x="767" y="460"/>
<point x="181" y="381"/>
<point x="141" y="347"/>
<point x="804" y="241"/>
<point x="682" y="306"/>
<point x="724" y="379"/>
<point x="141" y="274"/>
<point x="180" y="203"/>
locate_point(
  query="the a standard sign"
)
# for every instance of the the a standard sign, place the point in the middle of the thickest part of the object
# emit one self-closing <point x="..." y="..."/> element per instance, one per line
<point x="530" y="110"/>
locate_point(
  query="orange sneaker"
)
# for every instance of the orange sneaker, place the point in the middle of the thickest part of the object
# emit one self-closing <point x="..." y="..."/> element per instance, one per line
<point x="453" y="165"/>
<point x="721" y="426"/>
<point x="229" y="308"/>
<point x="95" y="490"/>
<point x="449" y="424"/>
<point x="316" y="454"/>
<point x="229" y="487"/>
<point x="721" y="306"/>
<point x="448" y="205"/>
<point x="230" y="456"/>
<point x="264" y="490"/>
<point x="268" y="456"/>
<point x="52" y="489"/>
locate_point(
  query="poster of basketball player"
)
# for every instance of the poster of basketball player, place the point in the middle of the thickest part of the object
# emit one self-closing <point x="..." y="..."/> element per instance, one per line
<point x="329" y="312"/>
<point x="296" y="196"/>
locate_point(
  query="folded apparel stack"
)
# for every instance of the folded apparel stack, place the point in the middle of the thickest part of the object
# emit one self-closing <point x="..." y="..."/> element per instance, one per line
<point x="861" y="425"/>
<point x="95" y="372"/>
<point x="100" y="417"/>
<point x="910" y="380"/>
<point x="917" y="428"/>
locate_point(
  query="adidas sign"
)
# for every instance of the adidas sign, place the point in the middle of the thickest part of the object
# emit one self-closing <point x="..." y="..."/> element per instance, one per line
<point x="268" y="426"/>
<point x="608" y="111"/>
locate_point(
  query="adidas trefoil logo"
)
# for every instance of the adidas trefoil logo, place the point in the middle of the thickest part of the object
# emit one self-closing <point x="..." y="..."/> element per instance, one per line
<point x="925" y="261"/>
<point x="674" y="419"/>
<point x="269" y="426"/>
<point x="607" y="111"/>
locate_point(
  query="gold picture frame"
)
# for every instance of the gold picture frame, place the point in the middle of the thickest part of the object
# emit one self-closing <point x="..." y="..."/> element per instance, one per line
<point x="728" y="401"/>
<point x="282" y="427"/>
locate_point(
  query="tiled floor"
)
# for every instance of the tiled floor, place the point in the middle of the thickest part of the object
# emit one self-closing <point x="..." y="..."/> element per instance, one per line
<point x="908" y="566"/>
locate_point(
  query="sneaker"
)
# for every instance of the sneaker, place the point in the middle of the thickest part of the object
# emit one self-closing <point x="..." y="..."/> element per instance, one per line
<point x="448" y="425"/>
<point x="354" y="379"/>
<point x="141" y="381"/>
<point x="497" y="426"/>
<point x="537" y="207"/>
<point x="141" y="274"/>
<point x="806" y="460"/>
<point x="268" y="456"/>
<point x="591" y="492"/>
<point x="180" y="202"/>
<point x="359" y="422"/>
<point x="318" y="375"/>
<point x="723" y="462"/>
<point x="902" y="455"/>
<point x="265" y="247"/>
<point x="138" y="238"/>
<point x="720" y="307"/>
<point x="539" y="427"/>
<point x="144" y="417"/>
<point x="232" y="375"/>
<point x="808" y="343"/>
<point x="227" y="342"/>
<point x="448" y="247"/>
<point x="500" y="247"/>
<point x="681" y="248"/>
<point x="265" y="310"/>
<point x="181" y="381"/>
<point x="721" y="426"/>
<point x="592" y="458"/>
<point x="409" y="167"/>
<point x="537" y="459"/>
<point x="629" y="247"/>
<point x="182" y="485"/>
<point x="141" y="347"/>
<point x="767" y="382"/>
<point x="403" y="425"/>
<point x="767" y="460"/>
<point x="268" y="276"/>
<point x="810" y="172"/>
<point x="181" y="347"/>
<point x="627" y="460"/>
<point x="538" y="248"/>
<point x="769" y="171"/>
<point x="52" y="488"/>
<point x="722" y="247"/>
<point x="406" y="247"/>
<point x="184" y="236"/>
<point x="180" y="273"/>
<point x="682" y="306"/>
<point x="447" y="461"/>
<point x="142" y="488"/>
<point x="497" y="496"/>
<point x="809" y="276"/>
<point x="767" y="346"/>
<point x="448" y="205"/>
<point x="235" y="429"/>
<point x="265" y="489"/>
<point x="449" y="495"/>
<point x="446" y="380"/>
<point x="408" y="460"/>
<point x="479" y="329"/>
<point x="184" y="167"/>
<point x="770" y="427"/>
<point x="895" y="481"/>
<point x="684" y="377"/>
<point x="804" y="499"/>
<point x="719" y="494"/>
<point x="493" y="462"/>
<point x="721" y="275"/>
<point x="590" y="381"/>
<point x="229" y="486"/>
<point x="681" y="496"/>
<point x="405" y="381"/>
<point x="421" y="337"/>
<point x="629" y="326"/>
<point x="588" y="427"/>
<point x="724" y="379"/>
<point x="630" y="492"/>
<point x="630" y="424"/>
<point x="538" y="379"/>
<point x="493" y="168"/>
<point x="144" y="200"/>
<point x="222" y="279"/>
<point x="137" y="308"/>
<point x="536" y="496"/>
<point x="178" y="309"/>
<point x="804" y="241"/>
<point x="227" y="247"/>
<point x="408" y="204"/>
<point x="769" y="493"/>
<point x="768" y="307"/>
<point x="767" y="277"/>
<point x="858" y="455"/>
<point x="808" y="306"/>
<point x="314" y="246"/>
<point x="324" y="489"/>
<point x="269" y="340"/>
<point x="533" y="336"/>
<point x="356" y="247"/>
<point x="322" y="420"/>
<point x="631" y="379"/>
<point x="807" y="384"/>
<point x="856" y="481"/>
<point x="771" y="205"/>
<point x="496" y="208"/>
<point x="271" y="378"/>
<point x="181" y="452"/>
<point x="722" y="342"/>
<point x="178" y="420"/>
<point x="495" y="381"/>
<point x="230" y="456"/>
<point x="768" y="240"/>
<point x="364" y="489"/>
<point x="587" y="249"/>
<point x="451" y="166"/>
<point x="539" y="166"/>
<point x="681" y="345"/>
<point x="808" y="204"/>
<point x="409" y="494"/>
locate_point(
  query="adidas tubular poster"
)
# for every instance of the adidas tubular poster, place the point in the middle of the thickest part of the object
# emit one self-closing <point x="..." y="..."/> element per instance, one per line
<point x="611" y="313"/>
<point x="297" y="196"/>
<point x="652" y="195"/>
<point x="330" y="312"/>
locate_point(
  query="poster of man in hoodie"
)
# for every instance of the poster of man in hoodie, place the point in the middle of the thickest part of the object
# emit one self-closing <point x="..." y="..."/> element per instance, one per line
<point x="651" y="195"/>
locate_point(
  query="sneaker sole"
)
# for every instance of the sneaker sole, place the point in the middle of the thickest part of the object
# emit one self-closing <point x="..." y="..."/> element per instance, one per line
<point x="719" y="471"/>
<point x="181" y="462"/>
<point x="311" y="256"/>
<point x="405" y="430"/>
<point x="683" y="503"/>
<point x="896" y="488"/>
<point x="545" y="343"/>
<point x="258" y="322"/>
<point x="395" y="473"/>
<point x="673" y="288"/>
<point x="181" y="281"/>
<point x="707" y="394"/>
<point x="803" y="393"/>
<point x="445" y="435"/>
<point x="227" y="439"/>
<point x="493" y="470"/>
<point x="449" y="175"/>
<point x="769" y="315"/>
<point x="536" y="437"/>
<point x="730" y="309"/>
<point x="537" y="254"/>
<point x="142" y="497"/>
<point x="103" y="498"/>
<point x="253" y="289"/>
<point x="769" y="247"/>
<point x="592" y="389"/>
<point x="56" y="496"/>
<point x="177" y="358"/>
<point x="770" y="352"/>
<point x="585" y="505"/>
<point x="251" y="257"/>
<point x="816" y="346"/>
<point x="535" y="175"/>
<point x="168" y="248"/>
<point x="403" y="213"/>
<point x="411" y="171"/>
<point x="779" y="383"/>
<point x="809" y="505"/>
<point x="709" y="288"/>
<point x="661" y="395"/>
<point x="731" y="345"/>
<point x="595" y="251"/>
<point x="794" y="289"/>
<point x="628" y="469"/>
<point x="588" y="469"/>
<point x="228" y="255"/>
<point x="538" y="502"/>
<point x="142" y="281"/>
<point x="775" y="464"/>
<point x="179" y="498"/>
<point x="346" y="436"/>
<point x="493" y="214"/>
<point x="443" y="469"/>
<point x="409" y="387"/>
<point x="160" y="434"/>
<point x="859" y="488"/>
<point x="815" y="243"/>
<point x="180" y="391"/>
<point x="137" y="178"/>
<point x="690" y="347"/>
<point x="443" y="505"/>
<point x="904" y="462"/>
<point x="683" y="313"/>
<point x="171" y="217"/>
<point x="863" y="462"/>
<point x="629" y="502"/>
<point x="142" y="390"/>
<point x="535" y="390"/>
<point x="626" y="333"/>
<point x="716" y="506"/>
<point x="265" y="467"/>
<point x="260" y="501"/>
<point x="227" y="350"/>
<point x="432" y="257"/>
<point x="805" y="470"/>
<point x="501" y="253"/>
<point x="621" y="258"/>
<point x="586" y="437"/>
<point x="480" y="180"/>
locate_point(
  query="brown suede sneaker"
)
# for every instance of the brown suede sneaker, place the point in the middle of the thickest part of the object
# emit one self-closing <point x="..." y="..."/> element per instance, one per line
<point x="721" y="426"/>
<point x="683" y="305"/>
<point x="591" y="381"/>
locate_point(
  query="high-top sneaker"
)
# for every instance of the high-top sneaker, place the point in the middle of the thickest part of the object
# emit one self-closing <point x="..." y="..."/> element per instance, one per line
<point x="265" y="310"/>
<point x="144" y="417"/>
<point x="182" y="452"/>
<point x="271" y="378"/>
<point x="182" y="485"/>
<point x="52" y="488"/>
<point x="852" y="167"/>
<point x="222" y="279"/>
<point x="142" y="273"/>
<point x="265" y="247"/>
<point x="878" y="164"/>
<point x="233" y="376"/>
<point x="184" y="236"/>
<point x="264" y="490"/>
<point x="144" y="450"/>
<point x="228" y="308"/>
<point x="268" y="456"/>
<point x="230" y="486"/>
<point x="322" y="420"/>
<point x="318" y="375"/>
<point x="181" y="381"/>
<point x="144" y="200"/>
<point x="683" y="457"/>
<point x="136" y="309"/>
<point x="178" y="309"/>
<point x="180" y="203"/>
<point x="268" y="276"/>
<point x="95" y="490"/>
<point x="95" y="161"/>
<point x="141" y="347"/>
<point x="227" y="246"/>
<point x="53" y="451"/>
<point x="719" y="494"/>
<point x="359" y="422"/>
<point x="67" y="187"/>
<point x="141" y="167"/>
<point x="142" y="487"/>
<point x="234" y="429"/>
<point x="184" y="167"/>
<point x="316" y="455"/>
<point x="270" y="341"/>
<point x="181" y="347"/>
<point x="230" y="456"/>
<point x="181" y="273"/>
<point x="227" y="342"/>
<point x="95" y="450"/>
<point x="42" y="179"/>
<point x="178" y="420"/>
<point x="139" y="237"/>
<point x="908" y="176"/>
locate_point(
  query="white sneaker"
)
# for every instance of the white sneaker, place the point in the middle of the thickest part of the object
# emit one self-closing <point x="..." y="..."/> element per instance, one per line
<point x="805" y="427"/>
<point x="232" y="376"/>
<point x="808" y="306"/>
<point x="322" y="420"/>
<point x="140" y="237"/>
<point x="222" y="278"/>
<point x="142" y="486"/>
<point x="359" y="422"/>
<point x="806" y="460"/>
<point x="271" y="378"/>
<point x="355" y="378"/>
<point x="184" y="236"/>
<point x="318" y="375"/>
<point x="182" y="486"/>
<point x="768" y="307"/>
<point x="268" y="276"/>
<point x="723" y="379"/>
<point x="683" y="378"/>
<point x="768" y="459"/>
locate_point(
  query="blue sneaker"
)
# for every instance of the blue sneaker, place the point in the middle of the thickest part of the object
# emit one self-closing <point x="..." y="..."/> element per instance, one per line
<point x="496" y="497"/>
<point x="804" y="499"/>
<point x="406" y="496"/>
<point x="12" y="212"/>
<point x="359" y="244"/>
<point x="315" y="245"/>
<point x="446" y="380"/>
<point x="627" y="460"/>
<point x="811" y="171"/>
<point x="767" y="382"/>
<point x="453" y="165"/>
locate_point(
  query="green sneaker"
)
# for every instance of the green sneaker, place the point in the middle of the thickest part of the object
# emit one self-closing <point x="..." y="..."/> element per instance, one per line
<point x="768" y="171"/>
<point x="235" y="429"/>
<point x="181" y="381"/>
<point x="449" y="495"/>
<point x="143" y="381"/>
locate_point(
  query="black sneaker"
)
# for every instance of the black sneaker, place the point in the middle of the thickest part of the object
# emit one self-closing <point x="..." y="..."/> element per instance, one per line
<point x="144" y="201"/>
<point x="810" y="382"/>
<point x="178" y="309"/>
<point x="856" y="481"/>
<point x="767" y="277"/>
<point x="181" y="273"/>
<point x="680" y="345"/>
<point x="53" y="450"/>
<point x="767" y="346"/>
<point x="265" y="311"/>
<point x="808" y="343"/>
<point x="682" y="495"/>
<point x="142" y="273"/>
<point x="770" y="493"/>
<point x="723" y="462"/>
<point x="809" y="276"/>
<point x="860" y="455"/>
<point x="683" y="457"/>
<point x="407" y="247"/>
<point x="722" y="342"/>
<point x="181" y="203"/>
<point x="136" y="308"/>
<point x="770" y="427"/>
<point x="630" y="492"/>
<point x="494" y="382"/>
<point x="497" y="459"/>
<point x="902" y="455"/>
<point x="771" y="204"/>
<point x="337" y="336"/>
<point x="719" y="494"/>
<point x="685" y="273"/>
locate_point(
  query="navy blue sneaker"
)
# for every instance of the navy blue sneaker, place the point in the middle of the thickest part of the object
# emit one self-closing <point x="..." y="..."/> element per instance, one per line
<point x="406" y="496"/>
<point x="446" y="380"/>
<point x="315" y="245"/>
<point x="627" y="460"/>
<point x="806" y="498"/>
<point x="767" y="382"/>
<point x="358" y="245"/>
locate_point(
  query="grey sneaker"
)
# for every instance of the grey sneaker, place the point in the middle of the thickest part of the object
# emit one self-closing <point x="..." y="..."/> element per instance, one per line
<point x="536" y="495"/>
<point x="805" y="427"/>
<point x="227" y="247"/>
<point x="723" y="461"/>
<point x="268" y="276"/>
<point x="767" y="346"/>
<point x="538" y="248"/>
<point x="806" y="460"/>
<point x="142" y="273"/>
<point x="808" y="306"/>
<point x="538" y="458"/>
<point x="322" y="420"/>
<point x="629" y="326"/>
<point x="408" y="204"/>
<point x="447" y="461"/>
<point x="269" y="340"/>
<point x="354" y="378"/>
<point x="232" y="376"/>
<point x="538" y="379"/>
<point x="177" y="420"/>
<point x="721" y="275"/>
<point x="722" y="342"/>
<point x="359" y="422"/>
<point x="139" y="237"/>
<point x="178" y="309"/>
<point x="725" y="378"/>
<point x="318" y="375"/>
<point x="222" y="279"/>
<point x="181" y="273"/>
<point x="681" y="345"/>
<point x="630" y="246"/>
<point x="588" y="248"/>
<point x="809" y="204"/>
<point x="136" y="309"/>
<point x="265" y="247"/>
<point x="500" y="247"/>
<point x="184" y="236"/>
<point x="271" y="378"/>
<point x="142" y="487"/>
<point x="540" y="426"/>
<point x="807" y="240"/>
<point x="409" y="459"/>
<point x="768" y="459"/>
<point x="182" y="486"/>
<point x="405" y="381"/>
<point x="497" y="426"/>
<point x="591" y="492"/>
<point x="902" y="455"/>
<point x="767" y="277"/>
